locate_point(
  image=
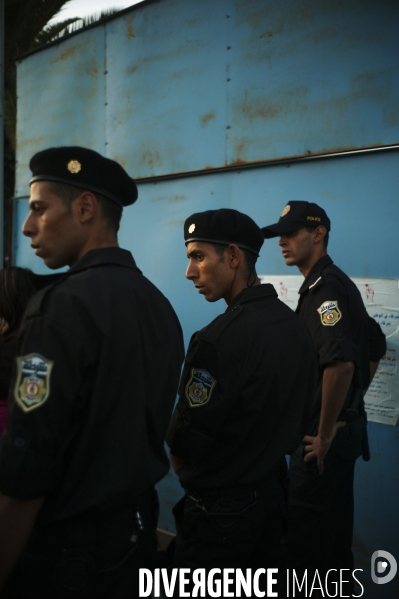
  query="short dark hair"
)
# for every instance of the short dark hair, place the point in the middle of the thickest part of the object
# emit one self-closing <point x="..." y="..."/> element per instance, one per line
<point x="111" y="211"/>
<point x="326" y="236"/>
<point x="249" y="258"/>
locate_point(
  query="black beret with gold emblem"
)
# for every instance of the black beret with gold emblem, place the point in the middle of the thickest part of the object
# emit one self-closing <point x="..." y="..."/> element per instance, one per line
<point x="87" y="169"/>
<point x="298" y="214"/>
<point x="224" y="226"/>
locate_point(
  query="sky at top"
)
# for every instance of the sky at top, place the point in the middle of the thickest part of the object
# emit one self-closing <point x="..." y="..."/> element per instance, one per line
<point x="82" y="8"/>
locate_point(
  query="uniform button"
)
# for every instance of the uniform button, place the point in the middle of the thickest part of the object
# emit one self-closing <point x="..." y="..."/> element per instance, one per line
<point x="19" y="442"/>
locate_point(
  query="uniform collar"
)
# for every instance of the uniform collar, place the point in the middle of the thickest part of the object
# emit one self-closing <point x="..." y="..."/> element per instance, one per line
<point x="100" y="257"/>
<point x="315" y="273"/>
<point x="252" y="293"/>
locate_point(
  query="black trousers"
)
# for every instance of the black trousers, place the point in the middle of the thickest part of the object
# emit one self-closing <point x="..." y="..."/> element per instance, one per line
<point x="83" y="559"/>
<point x="75" y="575"/>
<point x="320" y="514"/>
<point x="232" y="529"/>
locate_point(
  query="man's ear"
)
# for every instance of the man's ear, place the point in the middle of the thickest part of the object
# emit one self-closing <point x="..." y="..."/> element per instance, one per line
<point x="86" y="206"/>
<point x="319" y="233"/>
<point x="234" y="255"/>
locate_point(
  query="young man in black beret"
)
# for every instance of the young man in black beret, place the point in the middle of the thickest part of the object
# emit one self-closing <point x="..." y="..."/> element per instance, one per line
<point x="349" y="345"/>
<point x="243" y="402"/>
<point x="98" y="363"/>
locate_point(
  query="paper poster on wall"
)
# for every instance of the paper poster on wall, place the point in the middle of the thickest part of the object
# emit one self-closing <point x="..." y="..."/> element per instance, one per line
<point x="381" y="298"/>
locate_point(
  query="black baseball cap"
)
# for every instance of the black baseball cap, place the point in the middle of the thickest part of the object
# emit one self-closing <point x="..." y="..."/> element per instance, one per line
<point x="298" y="214"/>
<point x="87" y="169"/>
<point x="224" y="226"/>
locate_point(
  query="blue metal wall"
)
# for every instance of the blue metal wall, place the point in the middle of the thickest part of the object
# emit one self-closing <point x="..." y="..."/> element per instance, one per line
<point x="180" y="86"/>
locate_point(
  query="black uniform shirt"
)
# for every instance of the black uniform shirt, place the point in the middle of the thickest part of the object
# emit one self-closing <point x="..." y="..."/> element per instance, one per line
<point x="244" y="393"/>
<point x="333" y="310"/>
<point x="98" y="363"/>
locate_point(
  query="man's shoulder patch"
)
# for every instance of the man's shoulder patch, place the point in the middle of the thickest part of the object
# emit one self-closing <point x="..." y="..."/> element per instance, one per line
<point x="329" y="313"/>
<point x="199" y="387"/>
<point x="32" y="386"/>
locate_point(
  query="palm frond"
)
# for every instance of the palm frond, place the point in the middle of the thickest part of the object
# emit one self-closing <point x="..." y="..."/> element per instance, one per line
<point x="23" y="20"/>
<point x="88" y="20"/>
<point x="53" y="31"/>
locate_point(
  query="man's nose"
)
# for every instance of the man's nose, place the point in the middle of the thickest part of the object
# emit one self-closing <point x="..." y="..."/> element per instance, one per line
<point x="27" y="227"/>
<point x="191" y="271"/>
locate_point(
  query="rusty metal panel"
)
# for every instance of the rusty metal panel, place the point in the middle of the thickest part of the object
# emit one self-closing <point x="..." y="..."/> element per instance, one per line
<point x="166" y="87"/>
<point x="312" y="77"/>
<point x="178" y="86"/>
<point x="207" y="85"/>
<point x="60" y="100"/>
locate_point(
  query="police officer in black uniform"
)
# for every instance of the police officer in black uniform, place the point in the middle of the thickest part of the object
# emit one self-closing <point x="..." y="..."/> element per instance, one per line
<point x="243" y="401"/>
<point x="97" y="369"/>
<point x="349" y="345"/>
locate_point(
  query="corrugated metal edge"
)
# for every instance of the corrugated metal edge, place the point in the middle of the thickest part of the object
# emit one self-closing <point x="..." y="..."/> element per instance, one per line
<point x="91" y="26"/>
<point x="238" y="165"/>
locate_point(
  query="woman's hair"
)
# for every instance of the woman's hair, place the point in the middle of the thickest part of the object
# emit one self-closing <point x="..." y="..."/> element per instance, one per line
<point x="16" y="289"/>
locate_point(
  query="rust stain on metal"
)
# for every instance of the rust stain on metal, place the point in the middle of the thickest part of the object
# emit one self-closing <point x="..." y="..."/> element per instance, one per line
<point x="239" y="162"/>
<point x="208" y="117"/>
<point x="267" y="34"/>
<point x="132" y="69"/>
<point x="239" y="147"/>
<point x="173" y="198"/>
<point x="150" y="158"/>
<point x="70" y="52"/>
<point x="93" y="70"/>
<point x="31" y="142"/>
<point x="130" y="31"/>
<point x="259" y="108"/>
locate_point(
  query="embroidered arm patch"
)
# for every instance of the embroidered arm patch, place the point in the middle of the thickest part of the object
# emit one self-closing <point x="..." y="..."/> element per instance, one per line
<point x="329" y="313"/>
<point x="199" y="387"/>
<point x="32" y="386"/>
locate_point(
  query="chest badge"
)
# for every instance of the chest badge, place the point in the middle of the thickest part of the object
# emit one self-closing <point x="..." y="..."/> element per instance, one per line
<point x="329" y="313"/>
<point x="199" y="387"/>
<point x="32" y="386"/>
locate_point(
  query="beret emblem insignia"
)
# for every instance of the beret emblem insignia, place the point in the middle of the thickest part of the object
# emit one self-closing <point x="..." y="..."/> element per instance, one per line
<point x="74" y="167"/>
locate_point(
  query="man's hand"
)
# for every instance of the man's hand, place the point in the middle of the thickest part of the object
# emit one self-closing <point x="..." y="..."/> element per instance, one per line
<point x="318" y="446"/>
<point x="336" y="382"/>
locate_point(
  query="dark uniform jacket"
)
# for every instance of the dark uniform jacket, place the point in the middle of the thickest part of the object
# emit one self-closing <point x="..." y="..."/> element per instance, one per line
<point x="245" y="393"/>
<point x="332" y="308"/>
<point x="98" y="363"/>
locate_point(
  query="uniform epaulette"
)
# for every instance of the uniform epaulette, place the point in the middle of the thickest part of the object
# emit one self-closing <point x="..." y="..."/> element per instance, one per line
<point x="317" y="283"/>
